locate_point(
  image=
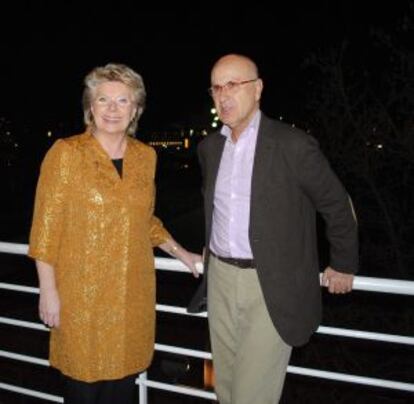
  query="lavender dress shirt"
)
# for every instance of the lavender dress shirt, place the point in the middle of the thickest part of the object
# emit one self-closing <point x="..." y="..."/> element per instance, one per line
<point x="230" y="231"/>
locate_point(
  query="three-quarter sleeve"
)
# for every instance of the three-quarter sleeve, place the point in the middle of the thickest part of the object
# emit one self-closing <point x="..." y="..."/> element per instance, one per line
<point x="158" y="233"/>
<point x="51" y="197"/>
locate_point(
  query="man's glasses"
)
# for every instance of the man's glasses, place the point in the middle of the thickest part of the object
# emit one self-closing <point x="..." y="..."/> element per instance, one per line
<point x="230" y="87"/>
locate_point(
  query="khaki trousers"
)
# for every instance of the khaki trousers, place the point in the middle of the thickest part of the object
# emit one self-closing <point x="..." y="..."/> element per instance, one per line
<point x="249" y="357"/>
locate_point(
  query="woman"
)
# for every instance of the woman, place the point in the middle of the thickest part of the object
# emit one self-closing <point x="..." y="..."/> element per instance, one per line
<point x="92" y="237"/>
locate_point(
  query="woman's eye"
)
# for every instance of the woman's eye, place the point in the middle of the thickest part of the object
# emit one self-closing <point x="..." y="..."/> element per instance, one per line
<point x="123" y="101"/>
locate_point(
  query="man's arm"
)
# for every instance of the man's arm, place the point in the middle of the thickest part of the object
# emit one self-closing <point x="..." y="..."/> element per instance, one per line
<point x="332" y="201"/>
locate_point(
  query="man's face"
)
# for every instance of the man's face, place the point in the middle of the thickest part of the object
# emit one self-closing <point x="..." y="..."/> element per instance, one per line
<point x="236" y="92"/>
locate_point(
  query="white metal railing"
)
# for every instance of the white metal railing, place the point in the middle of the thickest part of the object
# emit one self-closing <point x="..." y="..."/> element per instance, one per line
<point x="361" y="283"/>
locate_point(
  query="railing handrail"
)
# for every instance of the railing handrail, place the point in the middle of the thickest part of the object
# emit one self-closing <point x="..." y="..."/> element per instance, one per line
<point x="335" y="331"/>
<point x="364" y="283"/>
<point x="360" y="283"/>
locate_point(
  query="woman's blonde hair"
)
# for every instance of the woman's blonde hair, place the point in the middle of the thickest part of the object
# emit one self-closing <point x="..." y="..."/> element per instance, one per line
<point x="113" y="72"/>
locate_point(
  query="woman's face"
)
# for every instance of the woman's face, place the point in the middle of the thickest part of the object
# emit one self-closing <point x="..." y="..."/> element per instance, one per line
<point x="113" y="107"/>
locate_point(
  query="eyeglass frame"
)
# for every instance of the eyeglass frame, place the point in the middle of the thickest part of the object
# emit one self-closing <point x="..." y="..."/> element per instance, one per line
<point x="120" y="101"/>
<point x="229" y="86"/>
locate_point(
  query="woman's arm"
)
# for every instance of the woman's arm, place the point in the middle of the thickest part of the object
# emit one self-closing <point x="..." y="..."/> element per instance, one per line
<point x="49" y="302"/>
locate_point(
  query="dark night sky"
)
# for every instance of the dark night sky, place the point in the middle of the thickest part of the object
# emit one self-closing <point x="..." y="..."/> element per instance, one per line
<point x="47" y="48"/>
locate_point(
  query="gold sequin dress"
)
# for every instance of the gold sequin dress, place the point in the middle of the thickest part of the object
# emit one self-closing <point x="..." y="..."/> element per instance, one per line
<point x="98" y="231"/>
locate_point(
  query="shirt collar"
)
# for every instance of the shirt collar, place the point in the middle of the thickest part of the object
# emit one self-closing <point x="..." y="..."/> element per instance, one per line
<point x="252" y="127"/>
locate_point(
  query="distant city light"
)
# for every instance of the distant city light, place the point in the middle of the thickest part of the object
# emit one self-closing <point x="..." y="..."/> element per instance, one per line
<point x="49" y="133"/>
<point x="214" y="124"/>
<point x="379" y="146"/>
<point x="165" y="144"/>
<point x="182" y="139"/>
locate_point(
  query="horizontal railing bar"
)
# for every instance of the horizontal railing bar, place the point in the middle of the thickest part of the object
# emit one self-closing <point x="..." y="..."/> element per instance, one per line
<point x="322" y="374"/>
<point x="23" y="324"/>
<point x="158" y="347"/>
<point x="342" y="332"/>
<point x="19" y="288"/>
<point x="171" y="264"/>
<point x="24" y="358"/>
<point x="361" y="283"/>
<point x="13" y="248"/>
<point x="383" y="285"/>
<point x="374" y="336"/>
<point x="178" y="310"/>
<point x="343" y="377"/>
<point x="183" y="351"/>
<point x="189" y="391"/>
<point x="31" y="393"/>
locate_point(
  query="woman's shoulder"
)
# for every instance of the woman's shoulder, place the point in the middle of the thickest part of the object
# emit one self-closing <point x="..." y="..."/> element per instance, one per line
<point x="65" y="149"/>
<point x="140" y="147"/>
<point x="70" y="142"/>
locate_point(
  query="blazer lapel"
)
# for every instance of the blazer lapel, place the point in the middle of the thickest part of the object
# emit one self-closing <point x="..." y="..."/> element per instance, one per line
<point x="214" y="158"/>
<point x="264" y="153"/>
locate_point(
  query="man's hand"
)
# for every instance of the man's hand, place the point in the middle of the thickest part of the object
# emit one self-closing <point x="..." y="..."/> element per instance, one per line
<point x="337" y="282"/>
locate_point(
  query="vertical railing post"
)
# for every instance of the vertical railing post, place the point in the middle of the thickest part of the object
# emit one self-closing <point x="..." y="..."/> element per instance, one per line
<point x="143" y="390"/>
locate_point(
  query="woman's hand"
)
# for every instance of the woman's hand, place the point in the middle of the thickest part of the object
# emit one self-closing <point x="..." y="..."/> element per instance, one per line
<point x="49" y="302"/>
<point x="193" y="262"/>
<point x="49" y="307"/>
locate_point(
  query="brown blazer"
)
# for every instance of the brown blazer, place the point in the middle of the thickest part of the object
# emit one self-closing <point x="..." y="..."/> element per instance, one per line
<point x="291" y="180"/>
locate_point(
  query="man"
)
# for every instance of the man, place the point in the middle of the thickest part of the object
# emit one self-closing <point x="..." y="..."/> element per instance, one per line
<point x="263" y="182"/>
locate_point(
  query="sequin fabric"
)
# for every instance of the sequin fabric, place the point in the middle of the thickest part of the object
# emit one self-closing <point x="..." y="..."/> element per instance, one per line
<point x="98" y="231"/>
